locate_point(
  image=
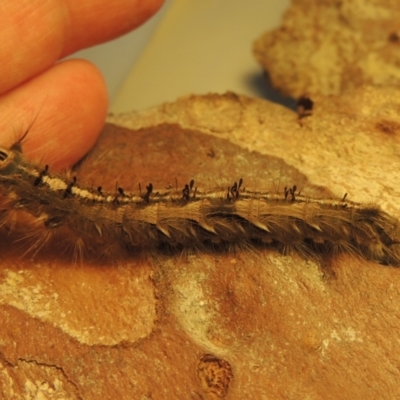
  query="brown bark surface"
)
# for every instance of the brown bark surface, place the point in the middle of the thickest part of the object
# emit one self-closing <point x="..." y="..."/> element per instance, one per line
<point x="242" y="324"/>
<point x="328" y="46"/>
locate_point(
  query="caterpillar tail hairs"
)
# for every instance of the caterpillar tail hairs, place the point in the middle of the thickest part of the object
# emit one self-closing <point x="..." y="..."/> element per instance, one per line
<point x="40" y="210"/>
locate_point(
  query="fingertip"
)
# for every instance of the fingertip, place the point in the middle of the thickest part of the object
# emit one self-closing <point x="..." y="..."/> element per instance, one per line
<point x="93" y="22"/>
<point x="64" y="109"/>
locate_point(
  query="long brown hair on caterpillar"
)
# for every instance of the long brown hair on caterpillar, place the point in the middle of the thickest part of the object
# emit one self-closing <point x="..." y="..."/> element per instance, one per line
<point x="88" y="220"/>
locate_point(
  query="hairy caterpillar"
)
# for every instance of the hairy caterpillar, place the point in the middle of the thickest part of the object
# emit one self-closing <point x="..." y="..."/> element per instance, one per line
<point x="88" y="219"/>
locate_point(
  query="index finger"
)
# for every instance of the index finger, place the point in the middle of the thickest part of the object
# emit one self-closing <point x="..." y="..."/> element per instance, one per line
<point x="36" y="33"/>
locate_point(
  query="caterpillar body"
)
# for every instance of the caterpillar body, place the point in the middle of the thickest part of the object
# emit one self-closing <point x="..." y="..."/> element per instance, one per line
<point x="87" y="219"/>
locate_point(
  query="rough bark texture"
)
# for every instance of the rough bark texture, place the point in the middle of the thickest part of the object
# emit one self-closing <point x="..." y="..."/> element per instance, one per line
<point x="250" y="324"/>
<point x="329" y="46"/>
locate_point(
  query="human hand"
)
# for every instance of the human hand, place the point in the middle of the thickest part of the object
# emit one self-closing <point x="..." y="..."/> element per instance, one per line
<point x="62" y="104"/>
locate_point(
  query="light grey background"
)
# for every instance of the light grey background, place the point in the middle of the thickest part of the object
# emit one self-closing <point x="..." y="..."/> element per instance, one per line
<point x="190" y="46"/>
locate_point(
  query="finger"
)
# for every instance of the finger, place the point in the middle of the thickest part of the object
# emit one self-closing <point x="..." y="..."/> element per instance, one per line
<point x="97" y="21"/>
<point x="63" y="110"/>
<point x="35" y="34"/>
